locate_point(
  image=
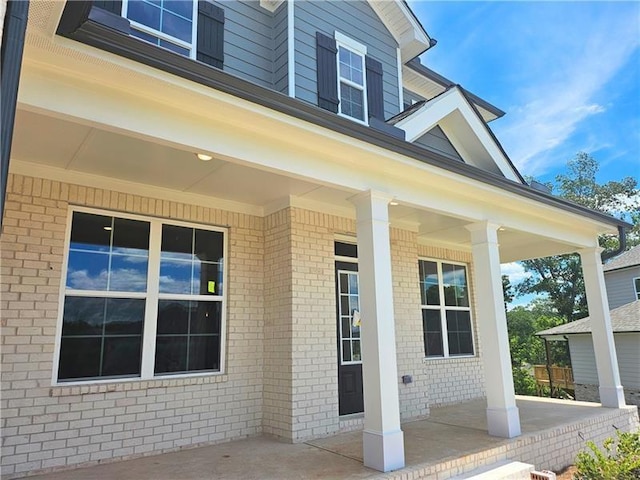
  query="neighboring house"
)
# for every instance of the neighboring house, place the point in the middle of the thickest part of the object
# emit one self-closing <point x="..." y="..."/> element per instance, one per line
<point x="329" y="260"/>
<point x="622" y="276"/>
<point x="625" y="322"/>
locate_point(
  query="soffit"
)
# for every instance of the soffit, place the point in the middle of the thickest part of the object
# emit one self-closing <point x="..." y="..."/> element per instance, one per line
<point x="403" y="25"/>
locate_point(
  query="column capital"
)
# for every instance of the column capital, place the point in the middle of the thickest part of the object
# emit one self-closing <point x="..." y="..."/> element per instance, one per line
<point x="372" y="205"/>
<point x="483" y="232"/>
<point x="585" y="252"/>
<point x="371" y="196"/>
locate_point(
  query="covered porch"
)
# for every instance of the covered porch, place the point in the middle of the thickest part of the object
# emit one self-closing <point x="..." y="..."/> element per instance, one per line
<point x="453" y="441"/>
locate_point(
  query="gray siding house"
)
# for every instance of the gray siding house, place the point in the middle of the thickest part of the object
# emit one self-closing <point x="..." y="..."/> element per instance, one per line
<point x="622" y="275"/>
<point x="622" y="279"/>
<point x="240" y="218"/>
<point x="625" y="322"/>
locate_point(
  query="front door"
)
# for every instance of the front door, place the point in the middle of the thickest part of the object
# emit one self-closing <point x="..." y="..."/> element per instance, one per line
<point x="349" y="351"/>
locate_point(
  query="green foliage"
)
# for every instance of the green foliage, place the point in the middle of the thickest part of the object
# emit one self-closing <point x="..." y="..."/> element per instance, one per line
<point x="618" y="460"/>
<point x="507" y="290"/>
<point x="523" y="381"/>
<point x="560" y="277"/>
<point x="526" y="348"/>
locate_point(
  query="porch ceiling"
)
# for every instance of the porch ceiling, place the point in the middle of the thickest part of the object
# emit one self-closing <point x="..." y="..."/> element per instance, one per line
<point x="49" y="146"/>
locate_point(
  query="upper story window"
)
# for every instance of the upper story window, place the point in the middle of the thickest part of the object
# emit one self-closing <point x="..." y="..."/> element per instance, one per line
<point x="168" y="23"/>
<point x="142" y="298"/>
<point x="351" y="78"/>
<point x="191" y="28"/>
<point x="636" y="286"/>
<point x="446" y="313"/>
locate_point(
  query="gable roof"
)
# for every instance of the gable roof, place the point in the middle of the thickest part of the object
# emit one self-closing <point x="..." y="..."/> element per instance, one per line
<point x="625" y="318"/>
<point x="462" y="123"/>
<point x="437" y="84"/>
<point x="630" y="258"/>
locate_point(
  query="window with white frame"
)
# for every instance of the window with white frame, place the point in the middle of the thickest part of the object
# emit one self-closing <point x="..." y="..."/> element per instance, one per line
<point x="168" y="23"/>
<point x="351" y="78"/>
<point x="636" y="286"/>
<point x="446" y="314"/>
<point x="142" y="298"/>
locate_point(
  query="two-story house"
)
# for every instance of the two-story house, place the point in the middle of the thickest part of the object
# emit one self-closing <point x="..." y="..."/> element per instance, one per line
<point x="622" y="281"/>
<point x="226" y="219"/>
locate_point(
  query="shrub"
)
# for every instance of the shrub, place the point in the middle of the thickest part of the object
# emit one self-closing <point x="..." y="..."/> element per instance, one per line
<point x="619" y="460"/>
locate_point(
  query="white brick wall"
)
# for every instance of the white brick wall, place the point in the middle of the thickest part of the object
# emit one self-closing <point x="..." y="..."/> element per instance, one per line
<point x="44" y="426"/>
<point x="454" y="380"/>
<point x="281" y="351"/>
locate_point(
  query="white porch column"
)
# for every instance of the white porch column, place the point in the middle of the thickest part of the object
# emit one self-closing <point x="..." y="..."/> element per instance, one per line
<point x="383" y="440"/>
<point x="503" y="418"/>
<point x="611" y="391"/>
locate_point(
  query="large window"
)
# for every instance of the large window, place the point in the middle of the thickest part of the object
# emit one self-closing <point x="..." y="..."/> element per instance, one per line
<point x="351" y="78"/>
<point x="142" y="298"/>
<point x="636" y="286"/>
<point x="168" y="23"/>
<point x="446" y="315"/>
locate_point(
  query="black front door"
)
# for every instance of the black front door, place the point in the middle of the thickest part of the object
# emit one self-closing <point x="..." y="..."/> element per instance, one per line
<point x="349" y="352"/>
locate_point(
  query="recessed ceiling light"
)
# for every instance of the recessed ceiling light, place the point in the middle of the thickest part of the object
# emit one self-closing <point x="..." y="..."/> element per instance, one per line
<point x="108" y="228"/>
<point x="204" y="157"/>
<point x="393" y="204"/>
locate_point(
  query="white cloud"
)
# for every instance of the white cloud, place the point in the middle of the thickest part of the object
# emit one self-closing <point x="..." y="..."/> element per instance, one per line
<point x="515" y="272"/>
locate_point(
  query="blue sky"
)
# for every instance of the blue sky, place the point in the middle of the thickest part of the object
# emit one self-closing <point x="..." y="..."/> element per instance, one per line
<point x="566" y="73"/>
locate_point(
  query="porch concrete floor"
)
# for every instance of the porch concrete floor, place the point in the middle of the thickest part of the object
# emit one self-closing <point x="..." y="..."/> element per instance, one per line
<point x="449" y="432"/>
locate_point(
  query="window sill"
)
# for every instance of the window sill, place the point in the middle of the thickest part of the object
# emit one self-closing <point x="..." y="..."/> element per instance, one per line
<point x="121" y="385"/>
<point x="452" y="358"/>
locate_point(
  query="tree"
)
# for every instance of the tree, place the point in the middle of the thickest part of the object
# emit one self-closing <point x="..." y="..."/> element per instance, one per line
<point x="618" y="198"/>
<point x="560" y="277"/>
<point x="528" y="349"/>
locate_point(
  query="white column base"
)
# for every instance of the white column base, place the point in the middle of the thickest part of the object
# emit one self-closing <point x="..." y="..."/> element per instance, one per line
<point x="383" y="451"/>
<point x="503" y="422"/>
<point x="612" y="397"/>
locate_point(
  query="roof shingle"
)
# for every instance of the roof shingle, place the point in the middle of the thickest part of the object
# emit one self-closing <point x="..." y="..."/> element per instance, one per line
<point x="630" y="258"/>
<point x="625" y="318"/>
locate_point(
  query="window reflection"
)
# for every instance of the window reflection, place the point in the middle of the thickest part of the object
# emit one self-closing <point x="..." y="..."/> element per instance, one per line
<point x="108" y="254"/>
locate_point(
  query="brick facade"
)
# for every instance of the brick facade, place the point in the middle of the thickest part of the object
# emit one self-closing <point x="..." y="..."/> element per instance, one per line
<point x="281" y="353"/>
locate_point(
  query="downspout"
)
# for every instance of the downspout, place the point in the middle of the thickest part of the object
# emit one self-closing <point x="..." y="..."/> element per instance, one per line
<point x="13" y="34"/>
<point x="622" y="235"/>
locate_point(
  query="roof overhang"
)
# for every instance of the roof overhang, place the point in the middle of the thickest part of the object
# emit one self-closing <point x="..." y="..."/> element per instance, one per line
<point x="404" y="26"/>
<point x="465" y="129"/>
<point x="115" y="93"/>
<point x="428" y="84"/>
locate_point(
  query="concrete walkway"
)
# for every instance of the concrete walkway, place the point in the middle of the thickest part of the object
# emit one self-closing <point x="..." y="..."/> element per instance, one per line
<point x="449" y="433"/>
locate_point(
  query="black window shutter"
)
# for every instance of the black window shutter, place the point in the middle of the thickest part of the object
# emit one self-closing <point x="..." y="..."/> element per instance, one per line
<point x="375" y="99"/>
<point x="210" y="46"/>
<point x="327" y="72"/>
<point x="113" y="6"/>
